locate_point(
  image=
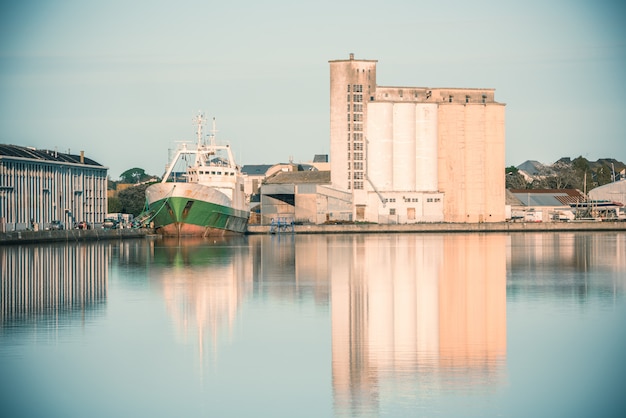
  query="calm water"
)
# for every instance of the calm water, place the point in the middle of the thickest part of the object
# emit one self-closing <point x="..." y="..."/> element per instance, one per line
<point x="426" y="325"/>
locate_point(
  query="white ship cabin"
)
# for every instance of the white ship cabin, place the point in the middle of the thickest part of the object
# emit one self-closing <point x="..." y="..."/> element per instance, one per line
<point x="211" y="165"/>
<point x="212" y="173"/>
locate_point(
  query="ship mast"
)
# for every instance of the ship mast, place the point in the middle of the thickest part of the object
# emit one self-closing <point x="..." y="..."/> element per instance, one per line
<point x="199" y="121"/>
<point x="213" y="132"/>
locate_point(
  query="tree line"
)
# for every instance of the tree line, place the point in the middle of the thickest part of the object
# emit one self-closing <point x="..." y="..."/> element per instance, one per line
<point x="578" y="173"/>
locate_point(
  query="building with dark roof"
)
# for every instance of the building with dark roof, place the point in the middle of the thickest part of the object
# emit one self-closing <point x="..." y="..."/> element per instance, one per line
<point x="38" y="187"/>
<point x="303" y="197"/>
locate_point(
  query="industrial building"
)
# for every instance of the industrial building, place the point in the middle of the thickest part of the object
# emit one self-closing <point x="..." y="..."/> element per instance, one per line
<point x="613" y="192"/>
<point x="415" y="154"/>
<point x="41" y="189"/>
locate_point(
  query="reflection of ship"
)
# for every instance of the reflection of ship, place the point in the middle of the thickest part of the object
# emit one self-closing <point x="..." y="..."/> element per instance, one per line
<point x="201" y="192"/>
<point x="204" y="282"/>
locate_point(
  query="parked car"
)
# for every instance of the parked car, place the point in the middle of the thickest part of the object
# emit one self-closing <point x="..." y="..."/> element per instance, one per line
<point x="110" y="223"/>
<point x="56" y="226"/>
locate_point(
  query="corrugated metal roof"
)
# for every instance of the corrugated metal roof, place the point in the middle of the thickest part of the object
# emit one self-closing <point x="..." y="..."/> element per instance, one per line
<point x="256" y="169"/>
<point x="547" y="197"/>
<point x="297" y="177"/>
<point x="43" y="155"/>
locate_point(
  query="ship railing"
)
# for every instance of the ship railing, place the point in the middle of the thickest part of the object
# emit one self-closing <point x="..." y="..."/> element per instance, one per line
<point x="281" y="224"/>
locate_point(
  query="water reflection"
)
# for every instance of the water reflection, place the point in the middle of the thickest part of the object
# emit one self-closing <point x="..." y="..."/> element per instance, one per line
<point x="46" y="281"/>
<point x="204" y="283"/>
<point x="586" y="265"/>
<point x="394" y="325"/>
<point x="415" y="313"/>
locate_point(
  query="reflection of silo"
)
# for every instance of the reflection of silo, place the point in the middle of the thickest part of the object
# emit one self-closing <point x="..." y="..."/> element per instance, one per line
<point x="380" y="302"/>
<point x="427" y="258"/>
<point x="426" y="147"/>
<point x="404" y="302"/>
<point x="404" y="146"/>
<point x="380" y="145"/>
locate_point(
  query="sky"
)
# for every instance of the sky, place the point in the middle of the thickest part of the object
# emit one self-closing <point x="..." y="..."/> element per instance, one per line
<point x="123" y="80"/>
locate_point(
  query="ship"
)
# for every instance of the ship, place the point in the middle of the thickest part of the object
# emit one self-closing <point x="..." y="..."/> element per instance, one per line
<point x="202" y="191"/>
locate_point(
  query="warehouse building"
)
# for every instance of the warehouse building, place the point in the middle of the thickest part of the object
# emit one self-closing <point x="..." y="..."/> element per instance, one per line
<point x="42" y="189"/>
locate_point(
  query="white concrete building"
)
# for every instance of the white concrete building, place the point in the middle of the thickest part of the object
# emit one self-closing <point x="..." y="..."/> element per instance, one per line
<point x="40" y="186"/>
<point x="415" y="154"/>
<point x="614" y="192"/>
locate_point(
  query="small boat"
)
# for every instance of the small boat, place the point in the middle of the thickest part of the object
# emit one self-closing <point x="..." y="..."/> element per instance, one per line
<point x="202" y="191"/>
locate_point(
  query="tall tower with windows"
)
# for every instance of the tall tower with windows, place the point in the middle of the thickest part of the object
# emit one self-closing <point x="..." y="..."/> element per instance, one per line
<point x="352" y="82"/>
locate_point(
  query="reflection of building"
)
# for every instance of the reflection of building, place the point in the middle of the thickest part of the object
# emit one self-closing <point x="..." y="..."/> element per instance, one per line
<point x="415" y="154"/>
<point x="579" y="252"/>
<point x="427" y="306"/>
<point x="49" y="279"/>
<point x="42" y="186"/>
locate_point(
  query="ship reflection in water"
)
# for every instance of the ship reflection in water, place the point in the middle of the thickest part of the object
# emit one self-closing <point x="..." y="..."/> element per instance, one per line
<point x="204" y="282"/>
<point x="416" y="313"/>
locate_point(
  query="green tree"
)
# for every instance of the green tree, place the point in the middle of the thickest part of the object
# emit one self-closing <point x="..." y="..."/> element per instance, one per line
<point x="513" y="179"/>
<point x="563" y="176"/>
<point x="603" y="175"/>
<point x="114" y="205"/>
<point x="583" y="173"/>
<point x="133" y="199"/>
<point x="133" y="175"/>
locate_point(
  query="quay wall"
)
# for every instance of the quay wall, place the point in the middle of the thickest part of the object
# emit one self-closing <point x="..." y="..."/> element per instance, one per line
<point x="448" y="227"/>
<point x="69" y="235"/>
<point x="29" y="237"/>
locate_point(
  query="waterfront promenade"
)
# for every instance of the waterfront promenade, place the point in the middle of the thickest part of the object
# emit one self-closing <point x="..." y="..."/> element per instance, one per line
<point x="25" y="237"/>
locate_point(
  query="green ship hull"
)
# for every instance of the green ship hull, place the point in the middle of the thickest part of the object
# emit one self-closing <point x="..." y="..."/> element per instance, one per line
<point x="183" y="216"/>
<point x="193" y="210"/>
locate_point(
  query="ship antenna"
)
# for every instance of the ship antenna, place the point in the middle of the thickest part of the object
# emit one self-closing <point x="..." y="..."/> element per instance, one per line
<point x="200" y="121"/>
<point x="213" y="133"/>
